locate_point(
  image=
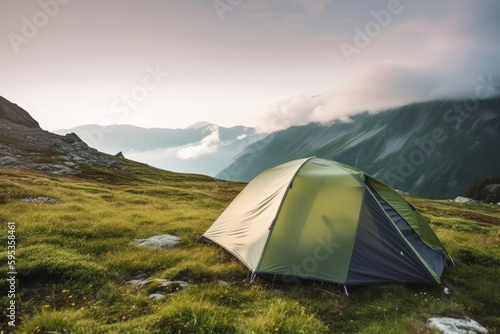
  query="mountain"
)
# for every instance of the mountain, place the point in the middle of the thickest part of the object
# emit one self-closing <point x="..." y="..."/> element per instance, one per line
<point x="434" y="149"/>
<point x="24" y="145"/>
<point x="202" y="148"/>
<point x="13" y="113"/>
<point x="199" y="125"/>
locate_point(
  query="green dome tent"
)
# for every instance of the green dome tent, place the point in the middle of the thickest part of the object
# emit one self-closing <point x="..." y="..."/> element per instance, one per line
<point x="318" y="219"/>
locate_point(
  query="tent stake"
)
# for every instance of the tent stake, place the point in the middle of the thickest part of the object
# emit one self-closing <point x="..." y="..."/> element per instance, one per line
<point x="345" y="290"/>
<point x="252" y="278"/>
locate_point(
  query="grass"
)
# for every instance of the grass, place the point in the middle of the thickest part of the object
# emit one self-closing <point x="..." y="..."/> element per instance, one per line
<point x="74" y="256"/>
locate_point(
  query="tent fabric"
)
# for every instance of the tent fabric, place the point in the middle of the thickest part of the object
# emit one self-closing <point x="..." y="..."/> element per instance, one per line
<point x="322" y="206"/>
<point x="378" y="245"/>
<point x="408" y="212"/>
<point x="432" y="258"/>
<point x="318" y="219"/>
<point x="243" y="227"/>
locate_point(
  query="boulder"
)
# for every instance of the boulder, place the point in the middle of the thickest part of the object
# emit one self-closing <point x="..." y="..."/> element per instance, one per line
<point x="490" y="193"/>
<point x="119" y="155"/>
<point x="461" y="199"/>
<point x="39" y="199"/>
<point x="158" y="241"/>
<point x="156" y="296"/>
<point x="456" y="326"/>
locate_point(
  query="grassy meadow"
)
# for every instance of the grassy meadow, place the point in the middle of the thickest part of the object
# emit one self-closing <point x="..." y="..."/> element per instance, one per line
<point x="74" y="256"/>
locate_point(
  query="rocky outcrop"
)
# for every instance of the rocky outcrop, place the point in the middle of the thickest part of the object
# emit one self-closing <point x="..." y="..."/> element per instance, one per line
<point x="120" y="155"/>
<point x="23" y="144"/>
<point x="461" y="199"/>
<point x="15" y="114"/>
<point x="490" y="193"/>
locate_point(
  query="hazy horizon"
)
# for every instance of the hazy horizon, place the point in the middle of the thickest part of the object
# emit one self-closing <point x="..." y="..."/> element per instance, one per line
<point x="158" y="64"/>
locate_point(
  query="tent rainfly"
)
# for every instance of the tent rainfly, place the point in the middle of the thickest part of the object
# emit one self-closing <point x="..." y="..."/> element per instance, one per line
<point x="322" y="220"/>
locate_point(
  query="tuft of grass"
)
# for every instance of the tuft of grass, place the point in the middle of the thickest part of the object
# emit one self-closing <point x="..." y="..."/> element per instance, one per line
<point x="47" y="321"/>
<point x="50" y="263"/>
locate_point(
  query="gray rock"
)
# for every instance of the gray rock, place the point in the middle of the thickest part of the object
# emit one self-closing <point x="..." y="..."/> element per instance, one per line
<point x="156" y="296"/>
<point x="39" y="199"/>
<point x="8" y="161"/>
<point x="490" y="193"/>
<point x="456" y="326"/>
<point x="119" y="155"/>
<point x="158" y="241"/>
<point x="139" y="276"/>
<point x="461" y="199"/>
<point x="160" y="285"/>
<point x="222" y="283"/>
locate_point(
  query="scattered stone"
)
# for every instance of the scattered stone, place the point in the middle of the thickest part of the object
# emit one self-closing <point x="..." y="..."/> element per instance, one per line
<point x="158" y="241"/>
<point x="461" y="199"/>
<point x="156" y="296"/>
<point x="120" y="155"/>
<point x="222" y="283"/>
<point x="158" y="285"/>
<point x="139" y="275"/>
<point x="8" y="161"/>
<point x="456" y="326"/>
<point x="39" y="199"/>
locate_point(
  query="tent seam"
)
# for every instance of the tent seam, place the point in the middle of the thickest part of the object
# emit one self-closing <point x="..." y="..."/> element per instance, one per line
<point x="273" y="222"/>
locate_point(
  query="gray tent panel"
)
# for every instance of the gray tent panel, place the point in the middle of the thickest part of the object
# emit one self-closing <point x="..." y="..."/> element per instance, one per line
<point x="380" y="253"/>
<point x="436" y="260"/>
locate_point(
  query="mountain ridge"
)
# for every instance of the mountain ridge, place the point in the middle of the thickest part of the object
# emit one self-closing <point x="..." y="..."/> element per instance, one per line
<point x="202" y="150"/>
<point x="430" y="149"/>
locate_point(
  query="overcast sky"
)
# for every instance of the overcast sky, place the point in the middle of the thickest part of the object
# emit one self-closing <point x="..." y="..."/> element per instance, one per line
<point x="274" y="63"/>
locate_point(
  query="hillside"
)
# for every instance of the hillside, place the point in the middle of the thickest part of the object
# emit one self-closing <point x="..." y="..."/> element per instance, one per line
<point x="76" y="255"/>
<point x="435" y="149"/>
<point x="202" y="148"/>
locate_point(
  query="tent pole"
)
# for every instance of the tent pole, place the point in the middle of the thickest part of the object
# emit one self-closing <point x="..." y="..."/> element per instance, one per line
<point x="274" y="278"/>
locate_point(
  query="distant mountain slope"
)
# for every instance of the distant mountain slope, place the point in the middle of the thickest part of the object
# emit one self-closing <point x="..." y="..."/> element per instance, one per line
<point x="433" y="149"/>
<point x="202" y="148"/>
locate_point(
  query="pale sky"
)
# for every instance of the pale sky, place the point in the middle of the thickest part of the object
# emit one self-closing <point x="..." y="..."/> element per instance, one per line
<point x="275" y="63"/>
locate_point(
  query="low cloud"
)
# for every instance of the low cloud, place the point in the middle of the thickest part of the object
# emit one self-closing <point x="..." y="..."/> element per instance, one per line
<point x="375" y="87"/>
<point x="298" y="110"/>
<point x="207" y="145"/>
